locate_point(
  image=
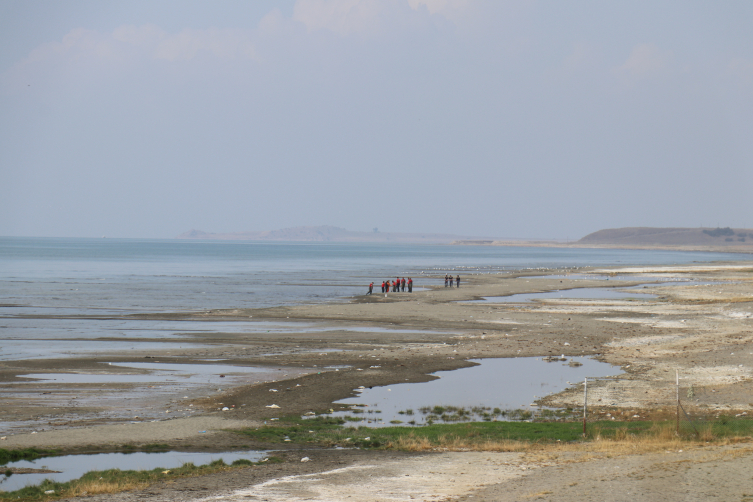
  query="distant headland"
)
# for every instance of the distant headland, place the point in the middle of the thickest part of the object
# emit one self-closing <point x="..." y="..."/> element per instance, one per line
<point x="733" y="240"/>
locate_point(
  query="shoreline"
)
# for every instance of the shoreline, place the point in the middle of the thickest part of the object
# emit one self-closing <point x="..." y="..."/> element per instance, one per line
<point x="704" y="330"/>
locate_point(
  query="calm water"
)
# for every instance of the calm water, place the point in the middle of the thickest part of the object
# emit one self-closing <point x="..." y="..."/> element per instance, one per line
<point x="106" y="276"/>
<point x="507" y="384"/>
<point x="75" y="466"/>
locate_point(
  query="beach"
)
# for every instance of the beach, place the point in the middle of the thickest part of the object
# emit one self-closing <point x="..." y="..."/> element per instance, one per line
<point x="695" y="322"/>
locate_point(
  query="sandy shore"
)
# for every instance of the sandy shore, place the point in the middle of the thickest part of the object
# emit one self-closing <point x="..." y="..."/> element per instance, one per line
<point x="702" y="329"/>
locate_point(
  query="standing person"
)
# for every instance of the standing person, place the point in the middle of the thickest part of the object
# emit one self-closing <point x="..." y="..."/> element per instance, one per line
<point x="371" y="288"/>
<point x="402" y="284"/>
<point x="450" y="280"/>
<point x="445" y="280"/>
<point x="394" y="286"/>
<point x="457" y="281"/>
<point x="382" y="286"/>
<point x="410" y="285"/>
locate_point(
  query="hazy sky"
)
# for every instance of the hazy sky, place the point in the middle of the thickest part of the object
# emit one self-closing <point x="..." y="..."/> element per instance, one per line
<point x="475" y="117"/>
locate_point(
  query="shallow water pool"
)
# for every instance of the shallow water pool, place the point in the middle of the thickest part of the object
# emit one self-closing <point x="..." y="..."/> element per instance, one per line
<point x="75" y="466"/>
<point x="504" y="383"/>
<point x="579" y="293"/>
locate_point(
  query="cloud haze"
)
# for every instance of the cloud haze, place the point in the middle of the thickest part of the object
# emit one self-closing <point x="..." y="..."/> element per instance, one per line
<point x="503" y="119"/>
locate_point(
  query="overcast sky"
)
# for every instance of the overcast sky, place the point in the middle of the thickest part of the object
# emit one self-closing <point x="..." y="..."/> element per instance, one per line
<point x="147" y="118"/>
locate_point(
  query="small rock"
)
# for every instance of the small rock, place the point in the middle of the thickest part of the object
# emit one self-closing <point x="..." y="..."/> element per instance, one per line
<point x="272" y="406"/>
<point x="305" y="459"/>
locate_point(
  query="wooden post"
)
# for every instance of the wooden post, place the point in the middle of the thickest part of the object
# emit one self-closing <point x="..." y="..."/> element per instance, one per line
<point x="585" y="403"/>
<point x="677" y="381"/>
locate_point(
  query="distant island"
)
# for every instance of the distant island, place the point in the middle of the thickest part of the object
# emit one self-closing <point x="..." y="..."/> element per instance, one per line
<point x="326" y="233"/>
<point x="733" y="240"/>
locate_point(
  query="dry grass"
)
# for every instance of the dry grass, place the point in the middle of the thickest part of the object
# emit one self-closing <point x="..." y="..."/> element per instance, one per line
<point x="100" y="487"/>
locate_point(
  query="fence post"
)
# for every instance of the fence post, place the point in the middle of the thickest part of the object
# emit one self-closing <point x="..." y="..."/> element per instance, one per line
<point x="677" y="380"/>
<point x="585" y="403"/>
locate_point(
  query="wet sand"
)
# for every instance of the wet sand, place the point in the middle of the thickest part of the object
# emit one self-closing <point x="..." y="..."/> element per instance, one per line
<point x="704" y="331"/>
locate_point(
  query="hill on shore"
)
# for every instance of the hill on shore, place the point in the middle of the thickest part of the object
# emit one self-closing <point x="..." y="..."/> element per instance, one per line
<point x="732" y="240"/>
<point x="324" y="233"/>
<point x="647" y="236"/>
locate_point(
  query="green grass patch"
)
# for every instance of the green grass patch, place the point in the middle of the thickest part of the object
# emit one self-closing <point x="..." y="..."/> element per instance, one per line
<point x="329" y="432"/>
<point x="115" y="480"/>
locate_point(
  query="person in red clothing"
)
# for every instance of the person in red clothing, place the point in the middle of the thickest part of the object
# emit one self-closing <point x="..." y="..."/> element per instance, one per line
<point x="410" y="285"/>
<point x="382" y="286"/>
<point x="371" y="288"/>
<point x="394" y="286"/>
<point x="402" y="284"/>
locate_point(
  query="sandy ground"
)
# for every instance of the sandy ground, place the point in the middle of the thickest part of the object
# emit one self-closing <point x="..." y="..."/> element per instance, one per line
<point x="702" y="330"/>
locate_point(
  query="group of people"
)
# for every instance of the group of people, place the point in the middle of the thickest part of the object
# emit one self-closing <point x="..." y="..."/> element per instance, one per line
<point x="448" y="278"/>
<point x="397" y="285"/>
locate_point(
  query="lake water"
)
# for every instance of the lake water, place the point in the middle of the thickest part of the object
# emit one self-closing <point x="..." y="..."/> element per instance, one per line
<point x="114" y="276"/>
<point x="63" y="279"/>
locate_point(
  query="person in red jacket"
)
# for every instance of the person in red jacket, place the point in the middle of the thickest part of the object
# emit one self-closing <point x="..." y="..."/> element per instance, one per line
<point x="410" y="285"/>
<point x="371" y="288"/>
<point x="402" y="284"/>
<point x="382" y="286"/>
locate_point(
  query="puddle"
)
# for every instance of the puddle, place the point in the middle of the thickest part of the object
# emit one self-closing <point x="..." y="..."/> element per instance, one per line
<point x="504" y="383"/>
<point x="595" y="277"/>
<point x="580" y="293"/>
<point x="75" y="466"/>
<point x="14" y="350"/>
<point x="160" y="372"/>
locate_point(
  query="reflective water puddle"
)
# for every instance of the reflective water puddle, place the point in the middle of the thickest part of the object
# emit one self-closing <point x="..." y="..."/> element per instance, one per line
<point x="580" y="293"/>
<point x="504" y="383"/>
<point x="75" y="466"/>
<point x="159" y="372"/>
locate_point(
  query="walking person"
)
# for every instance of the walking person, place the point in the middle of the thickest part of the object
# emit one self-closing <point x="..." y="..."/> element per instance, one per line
<point x="371" y="288"/>
<point x="457" y="281"/>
